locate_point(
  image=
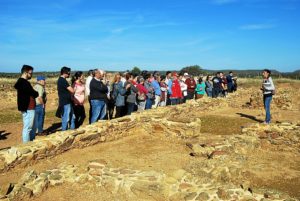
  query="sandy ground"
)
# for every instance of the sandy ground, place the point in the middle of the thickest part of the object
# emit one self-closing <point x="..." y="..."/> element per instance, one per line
<point x="145" y="152"/>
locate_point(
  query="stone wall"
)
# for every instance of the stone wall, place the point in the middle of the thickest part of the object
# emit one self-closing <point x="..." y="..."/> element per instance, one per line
<point x="170" y="121"/>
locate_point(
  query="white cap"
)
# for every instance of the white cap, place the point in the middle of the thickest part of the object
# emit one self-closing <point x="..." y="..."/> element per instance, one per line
<point x="186" y="74"/>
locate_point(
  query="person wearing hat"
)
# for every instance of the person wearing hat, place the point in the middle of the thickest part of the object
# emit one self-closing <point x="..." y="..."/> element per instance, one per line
<point x="40" y="103"/>
<point x="176" y="90"/>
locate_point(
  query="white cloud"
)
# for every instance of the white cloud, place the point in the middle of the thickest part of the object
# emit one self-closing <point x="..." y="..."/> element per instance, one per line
<point x="257" y="26"/>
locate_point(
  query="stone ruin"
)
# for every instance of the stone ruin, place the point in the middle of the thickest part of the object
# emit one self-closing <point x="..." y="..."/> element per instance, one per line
<point x="220" y="173"/>
<point x="281" y="100"/>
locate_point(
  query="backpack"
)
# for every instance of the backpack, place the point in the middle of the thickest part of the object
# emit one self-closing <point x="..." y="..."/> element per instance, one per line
<point x="273" y="92"/>
<point x="141" y="96"/>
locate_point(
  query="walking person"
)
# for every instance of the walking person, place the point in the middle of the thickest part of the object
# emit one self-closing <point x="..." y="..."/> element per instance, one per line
<point x="40" y="106"/>
<point x="65" y="92"/>
<point x="26" y="103"/>
<point x="98" y="96"/>
<point x="78" y="98"/>
<point x="268" y="89"/>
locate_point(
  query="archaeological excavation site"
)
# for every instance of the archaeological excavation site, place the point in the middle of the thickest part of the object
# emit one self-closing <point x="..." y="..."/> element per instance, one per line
<point x="201" y="150"/>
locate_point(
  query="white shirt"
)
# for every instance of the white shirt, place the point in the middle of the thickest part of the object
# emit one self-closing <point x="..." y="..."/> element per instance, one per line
<point x="87" y="85"/>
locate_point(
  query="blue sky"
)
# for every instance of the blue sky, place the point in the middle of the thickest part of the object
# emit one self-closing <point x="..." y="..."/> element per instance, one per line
<point x="151" y="34"/>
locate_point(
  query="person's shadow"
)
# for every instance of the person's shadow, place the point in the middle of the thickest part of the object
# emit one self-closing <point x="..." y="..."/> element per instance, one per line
<point x="250" y="117"/>
<point x="53" y="128"/>
<point x="3" y="135"/>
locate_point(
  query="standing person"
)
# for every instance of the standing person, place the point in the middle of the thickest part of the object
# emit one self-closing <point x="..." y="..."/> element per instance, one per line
<point x="157" y="91"/>
<point x="217" y="85"/>
<point x="230" y="82"/>
<point x="176" y="90"/>
<point x="169" y="84"/>
<point x="118" y="95"/>
<point x="141" y="96"/>
<point x="110" y="101"/>
<point x="268" y="89"/>
<point x="98" y="95"/>
<point x="26" y="103"/>
<point x="209" y="86"/>
<point x="91" y="74"/>
<point x="191" y="86"/>
<point x="164" y="91"/>
<point x="200" y="89"/>
<point x="151" y="94"/>
<point x="183" y="87"/>
<point x="65" y="92"/>
<point x="104" y="80"/>
<point x="131" y="93"/>
<point x="224" y="84"/>
<point x="40" y="106"/>
<point x="78" y="98"/>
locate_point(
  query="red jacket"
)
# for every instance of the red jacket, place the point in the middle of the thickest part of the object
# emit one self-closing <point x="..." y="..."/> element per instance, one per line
<point x="191" y="84"/>
<point x="176" y="90"/>
<point x="142" y="89"/>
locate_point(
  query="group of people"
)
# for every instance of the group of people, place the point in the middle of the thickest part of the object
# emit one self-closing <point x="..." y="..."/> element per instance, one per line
<point x="126" y="94"/>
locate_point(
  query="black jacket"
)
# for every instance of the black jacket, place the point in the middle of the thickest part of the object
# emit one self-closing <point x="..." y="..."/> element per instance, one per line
<point x="24" y="91"/>
<point x="98" y="90"/>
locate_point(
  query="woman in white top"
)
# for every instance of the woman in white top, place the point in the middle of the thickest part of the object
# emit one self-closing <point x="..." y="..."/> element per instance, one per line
<point x="268" y="89"/>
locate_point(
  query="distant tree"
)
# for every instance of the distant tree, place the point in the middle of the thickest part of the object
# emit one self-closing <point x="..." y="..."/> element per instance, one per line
<point x="136" y="70"/>
<point x="192" y="70"/>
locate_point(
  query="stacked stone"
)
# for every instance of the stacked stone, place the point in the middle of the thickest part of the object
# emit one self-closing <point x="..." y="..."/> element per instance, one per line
<point x="282" y="100"/>
<point x="136" y="184"/>
<point x="171" y="121"/>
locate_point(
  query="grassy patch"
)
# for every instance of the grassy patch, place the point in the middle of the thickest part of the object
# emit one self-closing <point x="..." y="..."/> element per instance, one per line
<point x="13" y="116"/>
<point x="222" y="125"/>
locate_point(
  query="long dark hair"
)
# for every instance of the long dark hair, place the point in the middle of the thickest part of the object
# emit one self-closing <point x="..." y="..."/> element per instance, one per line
<point x="76" y="76"/>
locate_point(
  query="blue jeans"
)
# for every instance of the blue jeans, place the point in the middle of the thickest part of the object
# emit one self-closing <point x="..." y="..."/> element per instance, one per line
<point x="98" y="110"/>
<point x="174" y="101"/>
<point x="149" y="103"/>
<point x="209" y="93"/>
<point x="67" y="118"/>
<point x="28" y="121"/>
<point x="130" y="108"/>
<point x="267" y="104"/>
<point x="38" y="119"/>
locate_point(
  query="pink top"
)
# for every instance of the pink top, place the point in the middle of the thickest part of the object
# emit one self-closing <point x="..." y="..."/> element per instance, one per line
<point x="79" y="89"/>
